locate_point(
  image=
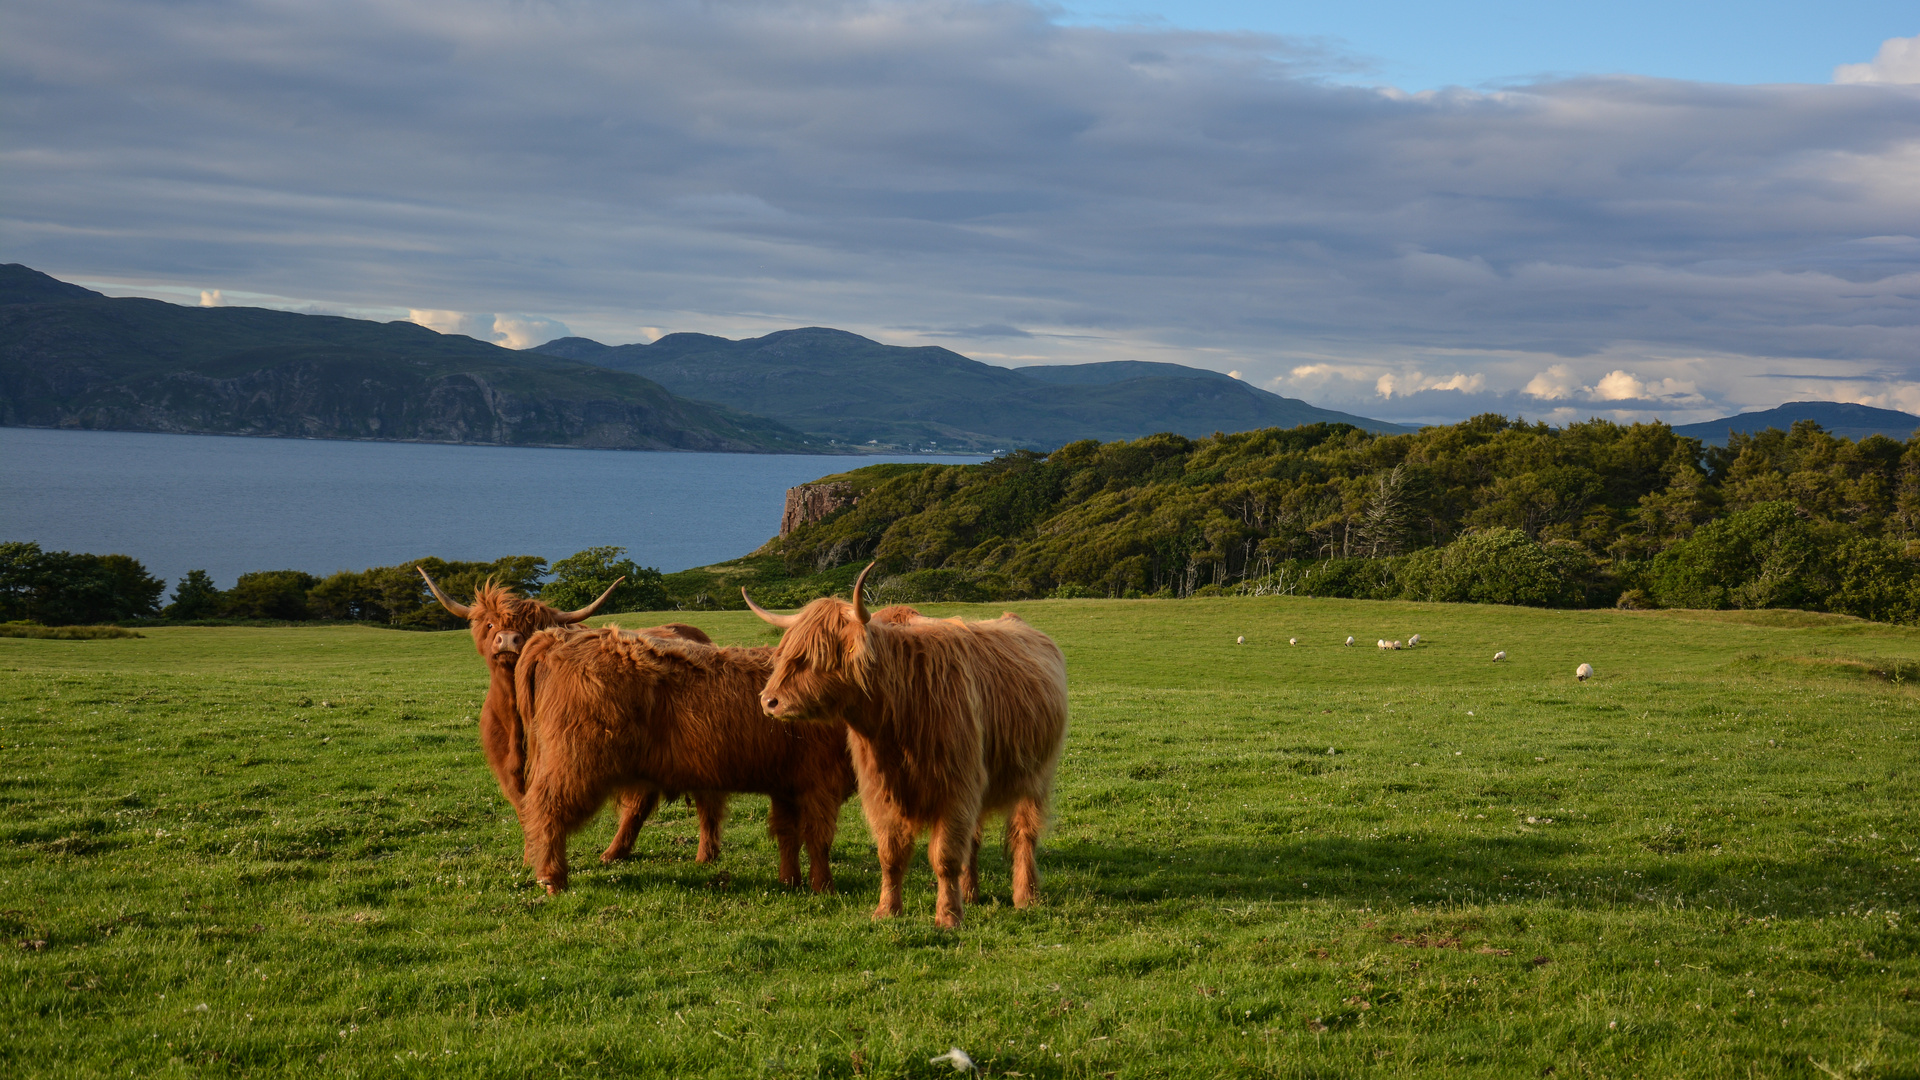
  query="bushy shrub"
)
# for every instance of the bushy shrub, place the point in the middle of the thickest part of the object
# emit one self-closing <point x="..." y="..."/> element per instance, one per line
<point x="1351" y="579"/>
<point x="1764" y="556"/>
<point x="1500" y="566"/>
<point x="581" y="577"/>
<point x="929" y="587"/>
<point x="1876" y="580"/>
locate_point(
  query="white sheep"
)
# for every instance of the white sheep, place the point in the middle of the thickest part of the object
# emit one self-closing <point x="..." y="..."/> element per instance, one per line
<point x="1583" y="672"/>
<point x="1349" y="640"/>
<point x="1293" y="641"/>
<point x="1499" y="656"/>
<point x="1412" y="641"/>
<point x="1382" y="642"/>
<point x="1241" y="640"/>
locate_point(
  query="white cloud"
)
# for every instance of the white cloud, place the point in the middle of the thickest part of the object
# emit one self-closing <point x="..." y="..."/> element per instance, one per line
<point x="1559" y="383"/>
<point x="526" y="331"/>
<point x="448" y="322"/>
<point x="1620" y="385"/>
<point x="512" y="331"/>
<point x="1554" y="384"/>
<point x="1414" y="382"/>
<point x="1898" y="61"/>
<point x="212" y="298"/>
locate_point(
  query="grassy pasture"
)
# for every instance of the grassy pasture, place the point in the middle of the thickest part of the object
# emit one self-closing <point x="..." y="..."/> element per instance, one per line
<point x="252" y="851"/>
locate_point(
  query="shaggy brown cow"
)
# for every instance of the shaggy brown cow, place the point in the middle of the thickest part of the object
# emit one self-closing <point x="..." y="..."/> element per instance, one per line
<point x="947" y="721"/>
<point x="501" y="621"/>
<point x="608" y="710"/>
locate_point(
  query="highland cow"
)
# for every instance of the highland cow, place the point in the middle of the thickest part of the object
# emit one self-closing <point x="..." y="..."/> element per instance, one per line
<point x="947" y="721"/>
<point x="501" y="621"/>
<point x="612" y="710"/>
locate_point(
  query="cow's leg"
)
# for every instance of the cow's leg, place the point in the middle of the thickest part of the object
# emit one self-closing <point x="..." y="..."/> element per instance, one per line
<point x="948" y="848"/>
<point x="893" y="837"/>
<point x="1023" y="832"/>
<point x="819" y="820"/>
<point x="712" y="808"/>
<point x="783" y="824"/>
<point x="554" y="807"/>
<point x="970" y="879"/>
<point x="636" y="806"/>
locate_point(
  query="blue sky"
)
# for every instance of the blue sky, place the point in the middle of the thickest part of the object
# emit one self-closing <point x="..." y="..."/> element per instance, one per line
<point x="1418" y="213"/>
<point x="1423" y="45"/>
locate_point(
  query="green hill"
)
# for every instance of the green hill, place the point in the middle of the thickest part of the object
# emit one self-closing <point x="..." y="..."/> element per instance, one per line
<point x="71" y="357"/>
<point x="1489" y="510"/>
<point x="1835" y="417"/>
<point x="856" y="391"/>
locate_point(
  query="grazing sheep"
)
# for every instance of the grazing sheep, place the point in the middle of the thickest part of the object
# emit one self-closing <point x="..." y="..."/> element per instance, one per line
<point x="1241" y="640"/>
<point x="1583" y="672"/>
<point x="1293" y="641"/>
<point x="1349" y="640"/>
<point x="1382" y="642"/>
<point x="1499" y="656"/>
<point x="1412" y="641"/>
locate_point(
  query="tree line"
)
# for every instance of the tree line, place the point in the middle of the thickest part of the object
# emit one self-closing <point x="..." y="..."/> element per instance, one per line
<point x="1491" y="510"/>
<point x="61" y="588"/>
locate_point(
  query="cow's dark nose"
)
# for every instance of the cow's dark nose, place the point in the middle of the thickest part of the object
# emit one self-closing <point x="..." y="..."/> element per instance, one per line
<point x="770" y="703"/>
<point x="506" y="641"/>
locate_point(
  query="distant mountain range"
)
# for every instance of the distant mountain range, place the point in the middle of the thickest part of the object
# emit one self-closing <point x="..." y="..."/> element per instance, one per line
<point x="857" y="392"/>
<point x="71" y="357"/>
<point x="1850" y="421"/>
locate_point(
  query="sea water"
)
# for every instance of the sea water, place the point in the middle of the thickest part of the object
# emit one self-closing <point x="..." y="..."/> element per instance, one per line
<point x="229" y="505"/>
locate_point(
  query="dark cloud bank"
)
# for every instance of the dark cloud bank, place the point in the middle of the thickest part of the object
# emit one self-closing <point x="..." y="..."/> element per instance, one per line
<point x="972" y="175"/>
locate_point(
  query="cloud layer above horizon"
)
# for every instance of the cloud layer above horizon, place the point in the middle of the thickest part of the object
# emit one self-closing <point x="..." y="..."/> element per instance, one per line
<point x="975" y="176"/>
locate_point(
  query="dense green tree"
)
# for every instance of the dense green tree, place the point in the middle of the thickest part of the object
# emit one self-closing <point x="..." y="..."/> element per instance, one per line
<point x="1332" y="510"/>
<point x="579" y="578"/>
<point x="62" y="588"/>
<point x="269" y="594"/>
<point x="196" y="597"/>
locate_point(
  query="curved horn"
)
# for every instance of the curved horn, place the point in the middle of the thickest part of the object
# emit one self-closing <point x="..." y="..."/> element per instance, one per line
<point x="781" y="621"/>
<point x="859" y="587"/>
<point x="577" y="616"/>
<point x="462" y="610"/>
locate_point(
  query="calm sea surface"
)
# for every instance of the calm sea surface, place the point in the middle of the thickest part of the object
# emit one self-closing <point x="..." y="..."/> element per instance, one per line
<point x="228" y="505"/>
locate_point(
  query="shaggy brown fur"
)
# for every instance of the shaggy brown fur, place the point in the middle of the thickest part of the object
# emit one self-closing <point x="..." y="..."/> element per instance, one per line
<point x="606" y="710"/>
<point x="947" y="721"/>
<point x="501" y="620"/>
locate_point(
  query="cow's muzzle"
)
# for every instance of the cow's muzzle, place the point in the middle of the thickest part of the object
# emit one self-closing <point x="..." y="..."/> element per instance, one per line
<point x="507" y="644"/>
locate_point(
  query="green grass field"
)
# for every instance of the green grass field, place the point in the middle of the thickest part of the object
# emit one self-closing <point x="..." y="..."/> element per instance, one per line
<point x="257" y="852"/>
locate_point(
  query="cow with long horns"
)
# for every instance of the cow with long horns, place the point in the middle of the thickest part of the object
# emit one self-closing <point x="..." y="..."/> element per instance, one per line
<point x="608" y="710"/>
<point x="947" y="721"/>
<point x="501" y="621"/>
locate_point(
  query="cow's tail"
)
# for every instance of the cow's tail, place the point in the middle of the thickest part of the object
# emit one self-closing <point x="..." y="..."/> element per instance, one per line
<point x="523" y="736"/>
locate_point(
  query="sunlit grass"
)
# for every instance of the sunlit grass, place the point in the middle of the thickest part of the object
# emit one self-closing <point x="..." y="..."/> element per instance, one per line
<point x="1267" y="859"/>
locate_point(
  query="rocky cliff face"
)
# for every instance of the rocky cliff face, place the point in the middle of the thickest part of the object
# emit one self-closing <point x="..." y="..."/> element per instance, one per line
<point x="811" y="502"/>
<point x="303" y="400"/>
